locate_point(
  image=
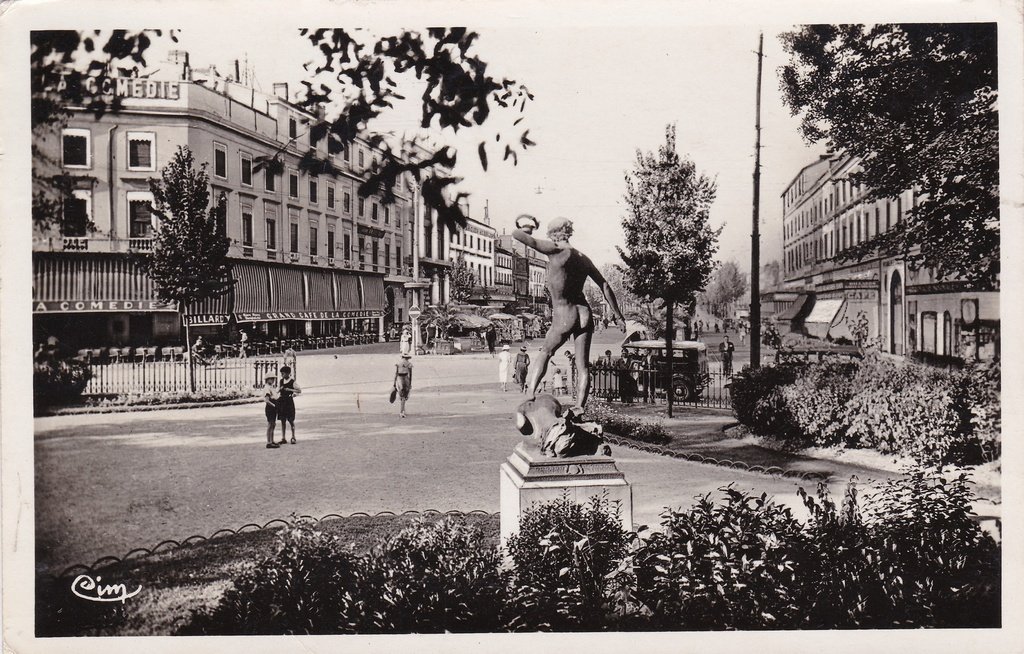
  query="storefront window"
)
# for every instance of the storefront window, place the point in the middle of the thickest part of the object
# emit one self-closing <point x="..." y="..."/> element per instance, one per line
<point x="929" y="331"/>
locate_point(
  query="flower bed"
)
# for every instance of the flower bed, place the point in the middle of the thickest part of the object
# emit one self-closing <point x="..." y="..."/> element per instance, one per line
<point x="934" y="416"/>
<point x="172" y="397"/>
<point x="621" y="424"/>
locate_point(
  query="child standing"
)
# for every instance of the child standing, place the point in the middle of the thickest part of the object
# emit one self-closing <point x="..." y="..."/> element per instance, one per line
<point x="270" y="396"/>
<point x="286" y="402"/>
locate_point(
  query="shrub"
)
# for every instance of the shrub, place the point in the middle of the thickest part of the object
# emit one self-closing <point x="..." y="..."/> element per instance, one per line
<point x="306" y="586"/>
<point x="562" y="556"/>
<point x="756" y="396"/>
<point x="981" y="395"/>
<point x="431" y="578"/>
<point x="173" y="397"/>
<point x="730" y="565"/>
<point x="59" y="382"/>
<point x="817" y="400"/>
<point x="621" y="424"/>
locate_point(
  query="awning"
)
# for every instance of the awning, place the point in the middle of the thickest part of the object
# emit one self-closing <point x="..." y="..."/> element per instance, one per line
<point x="346" y="292"/>
<point x="825" y="315"/>
<point x="373" y="293"/>
<point x="211" y="311"/>
<point x="319" y="290"/>
<point x="469" y="321"/>
<point x="286" y="290"/>
<point x="251" y="292"/>
<point x="500" y="316"/>
<point x="71" y="283"/>
<point x="795" y="309"/>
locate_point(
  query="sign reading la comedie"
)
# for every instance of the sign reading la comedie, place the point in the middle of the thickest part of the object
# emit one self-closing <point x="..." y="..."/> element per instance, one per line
<point x="129" y="87"/>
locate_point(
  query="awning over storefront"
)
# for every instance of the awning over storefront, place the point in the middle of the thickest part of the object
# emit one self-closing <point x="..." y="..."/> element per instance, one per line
<point x="211" y="311"/>
<point x="286" y="290"/>
<point x="373" y="293"/>
<point x="469" y="321"/>
<point x="795" y="310"/>
<point x="346" y="297"/>
<point x="319" y="290"/>
<point x="825" y="315"/>
<point x="251" y="292"/>
<point x="109" y="283"/>
<point x="500" y="316"/>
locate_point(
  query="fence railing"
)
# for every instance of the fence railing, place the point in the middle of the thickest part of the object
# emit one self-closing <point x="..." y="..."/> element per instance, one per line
<point x="629" y="383"/>
<point x="120" y="378"/>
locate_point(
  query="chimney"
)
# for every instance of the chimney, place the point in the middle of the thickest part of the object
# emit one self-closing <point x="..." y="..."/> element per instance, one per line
<point x="281" y="90"/>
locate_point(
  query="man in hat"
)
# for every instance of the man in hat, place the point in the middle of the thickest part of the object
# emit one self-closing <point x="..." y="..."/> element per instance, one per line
<point x="522" y="367"/>
<point x="568" y="271"/>
<point x="403" y="380"/>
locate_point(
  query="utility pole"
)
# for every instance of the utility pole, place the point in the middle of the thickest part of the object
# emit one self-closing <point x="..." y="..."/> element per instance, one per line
<point x="755" y="235"/>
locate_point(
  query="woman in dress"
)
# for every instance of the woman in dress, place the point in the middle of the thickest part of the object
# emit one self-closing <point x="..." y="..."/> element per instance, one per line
<point x="403" y="381"/>
<point x="406" y="342"/>
<point x="504" y="359"/>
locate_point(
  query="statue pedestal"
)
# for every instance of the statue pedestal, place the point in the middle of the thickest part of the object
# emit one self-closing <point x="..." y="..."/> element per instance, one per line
<point x="529" y="477"/>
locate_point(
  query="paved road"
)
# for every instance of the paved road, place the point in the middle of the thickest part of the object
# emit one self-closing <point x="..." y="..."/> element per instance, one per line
<point x="107" y="483"/>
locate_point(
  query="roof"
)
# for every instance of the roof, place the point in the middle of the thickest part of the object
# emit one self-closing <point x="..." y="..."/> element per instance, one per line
<point x="794" y="311"/>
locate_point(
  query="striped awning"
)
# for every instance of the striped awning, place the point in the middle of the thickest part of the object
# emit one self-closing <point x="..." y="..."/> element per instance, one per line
<point x="347" y="295"/>
<point x="373" y="292"/>
<point x="319" y="290"/>
<point x="210" y="311"/>
<point x="87" y="283"/>
<point x="286" y="290"/>
<point x="251" y="292"/>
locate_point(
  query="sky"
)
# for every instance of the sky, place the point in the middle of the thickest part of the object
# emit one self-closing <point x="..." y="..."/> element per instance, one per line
<point x="600" y="93"/>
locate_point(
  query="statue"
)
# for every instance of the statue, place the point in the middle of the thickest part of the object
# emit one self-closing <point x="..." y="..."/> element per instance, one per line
<point x="559" y="431"/>
<point x="568" y="271"/>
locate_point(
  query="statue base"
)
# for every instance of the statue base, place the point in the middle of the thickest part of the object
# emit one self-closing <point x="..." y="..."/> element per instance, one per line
<point x="529" y="477"/>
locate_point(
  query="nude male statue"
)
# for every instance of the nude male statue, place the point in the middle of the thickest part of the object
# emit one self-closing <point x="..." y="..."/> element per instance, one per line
<point x="568" y="270"/>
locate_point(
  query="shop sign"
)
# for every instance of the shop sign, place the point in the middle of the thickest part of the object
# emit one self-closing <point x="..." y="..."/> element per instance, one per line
<point x="305" y="315"/>
<point x="205" y="319"/>
<point x="129" y="87"/>
<point x="78" y="306"/>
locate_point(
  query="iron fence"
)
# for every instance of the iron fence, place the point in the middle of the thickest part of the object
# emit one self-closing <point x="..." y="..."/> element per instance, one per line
<point x="633" y="382"/>
<point x="124" y="377"/>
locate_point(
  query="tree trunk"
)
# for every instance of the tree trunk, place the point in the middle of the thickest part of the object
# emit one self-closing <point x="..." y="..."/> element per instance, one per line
<point x="189" y="358"/>
<point x="669" y="329"/>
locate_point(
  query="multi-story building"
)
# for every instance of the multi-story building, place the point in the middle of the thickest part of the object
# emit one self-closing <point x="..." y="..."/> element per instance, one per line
<point x="825" y="214"/>
<point x="529" y="268"/>
<point x="475" y="243"/>
<point x="504" y="291"/>
<point x="309" y="255"/>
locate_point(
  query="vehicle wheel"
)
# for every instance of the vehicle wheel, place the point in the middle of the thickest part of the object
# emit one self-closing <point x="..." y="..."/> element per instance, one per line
<point x="681" y="391"/>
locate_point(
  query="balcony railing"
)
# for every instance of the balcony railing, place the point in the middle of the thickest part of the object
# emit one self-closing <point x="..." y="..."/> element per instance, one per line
<point x="140" y="244"/>
<point x="271" y="254"/>
<point x="246" y="250"/>
<point x="76" y="243"/>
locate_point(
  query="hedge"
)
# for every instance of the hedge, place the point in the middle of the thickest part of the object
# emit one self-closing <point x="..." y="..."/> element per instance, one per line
<point x="935" y="416"/>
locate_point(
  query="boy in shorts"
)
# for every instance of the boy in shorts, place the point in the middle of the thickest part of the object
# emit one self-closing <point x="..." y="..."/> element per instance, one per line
<point x="287" y="391"/>
<point x="270" y="408"/>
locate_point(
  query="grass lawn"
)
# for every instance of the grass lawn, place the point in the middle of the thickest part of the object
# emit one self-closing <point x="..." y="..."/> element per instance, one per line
<point x="189" y="577"/>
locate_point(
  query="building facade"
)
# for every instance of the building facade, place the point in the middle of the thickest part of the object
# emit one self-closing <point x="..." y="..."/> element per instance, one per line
<point x="475" y="243"/>
<point x="905" y="310"/>
<point x="309" y="255"/>
<point x="529" y="268"/>
<point x="504" y="291"/>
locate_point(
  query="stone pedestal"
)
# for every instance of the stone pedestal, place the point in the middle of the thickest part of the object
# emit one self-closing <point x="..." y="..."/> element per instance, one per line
<point x="529" y="477"/>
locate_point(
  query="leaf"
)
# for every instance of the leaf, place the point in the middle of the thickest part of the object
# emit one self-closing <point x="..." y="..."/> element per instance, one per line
<point x="482" y="152"/>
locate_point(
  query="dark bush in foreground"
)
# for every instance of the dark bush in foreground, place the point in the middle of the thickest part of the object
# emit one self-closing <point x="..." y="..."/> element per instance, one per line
<point x="58" y="382"/>
<point x="908" y="554"/>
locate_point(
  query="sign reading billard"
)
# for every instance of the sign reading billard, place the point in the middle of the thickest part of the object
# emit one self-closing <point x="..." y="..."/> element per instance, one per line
<point x="78" y="306"/>
<point x="127" y="87"/>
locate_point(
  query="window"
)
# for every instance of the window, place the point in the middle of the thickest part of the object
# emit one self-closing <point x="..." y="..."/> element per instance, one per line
<point x="376" y="251"/>
<point x="348" y="154"/>
<point x="293" y="237"/>
<point x="362" y="248"/>
<point x="362" y="159"/>
<point x="293" y="128"/>
<point x="373" y="211"/>
<point x="314" y="236"/>
<point x="929" y="331"/>
<point x="141" y="148"/>
<point x="220" y="161"/>
<point x="140" y="214"/>
<point x="76" y="145"/>
<point x="387" y="254"/>
<point x="348" y="246"/>
<point x="293" y="185"/>
<point x="77" y="213"/>
<point x="246" y="160"/>
<point x="346" y="202"/>
<point x="398" y="256"/>
<point x="330" y="195"/>
<point x="362" y="206"/>
<point x="947" y="334"/>
<point x="314" y="190"/>
<point x="271" y="233"/>
<point x="387" y="215"/>
<point x="330" y="243"/>
<point x="269" y="180"/>
<point x="247" y="227"/>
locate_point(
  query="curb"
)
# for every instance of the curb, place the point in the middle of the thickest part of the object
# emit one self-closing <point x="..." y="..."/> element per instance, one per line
<point x="148" y="407"/>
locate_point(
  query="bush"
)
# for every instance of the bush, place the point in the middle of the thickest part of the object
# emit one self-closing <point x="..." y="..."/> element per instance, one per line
<point x="817" y="402"/>
<point x="59" y="382"/>
<point x="756" y="396"/>
<point x="621" y="424"/>
<point x="431" y="578"/>
<point x="562" y="555"/>
<point x="153" y="398"/>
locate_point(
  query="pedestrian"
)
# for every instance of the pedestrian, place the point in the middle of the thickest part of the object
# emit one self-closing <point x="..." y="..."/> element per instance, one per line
<point x="287" y="391"/>
<point x="558" y="382"/>
<point x="199" y="351"/>
<point x="522" y="368"/>
<point x="405" y="346"/>
<point x="403" y="381"/>
<point x="270" y="396"/>
<point x="504" y="359"/>
<point x="696" y="331"/>
<point x="392" y="333"/>
<point x="573" y="373"/>
<point x="491" y="335"/>
<point x="726" y="349"/>
<point x="243" y="344"/>
<point x="289" y="358"/>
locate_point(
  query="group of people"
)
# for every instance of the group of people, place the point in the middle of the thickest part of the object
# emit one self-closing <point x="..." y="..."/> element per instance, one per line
<point x="520" y="369"/>
<point x="279" y="405"/>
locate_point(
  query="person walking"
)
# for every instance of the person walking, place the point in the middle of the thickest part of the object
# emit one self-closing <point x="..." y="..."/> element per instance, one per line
<point x="406" y="341"/>
<point x="270" y="395"/>
<point x="522" y="368"/>
<point x="287" y="391"/>
<point x="243" y="344"/>
<point x="504" y="360"/>
<point x="491" y="336"/>
<point x="403" y="381"/>
<point x="726" y="349"/>
<point x="574" y="378"/>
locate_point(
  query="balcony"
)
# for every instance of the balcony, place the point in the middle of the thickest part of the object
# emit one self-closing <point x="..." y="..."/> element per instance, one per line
<point x="293" y="256"/>
<point x="247" y="251"/>
<point x="140" y="244"/>
<point x="314" y="259"/>
<point x="330" y="261"/>
<point x="271" y="254"/>
<point x="75" y="244"/>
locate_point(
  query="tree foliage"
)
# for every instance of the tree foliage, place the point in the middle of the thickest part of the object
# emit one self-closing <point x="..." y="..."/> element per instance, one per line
<point x="728" y="284"/>
<point x="916" y="105"/>
<point x="357" y="78"/>
<point x="462" y="280"/>
<point x="442" y="317"/>
<point x="188" y="263"/>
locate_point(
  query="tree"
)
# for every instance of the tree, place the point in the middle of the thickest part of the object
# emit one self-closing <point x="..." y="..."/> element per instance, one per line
<point x="916" y="105"/>
<point x="728" y="284"/>
<point x="771" y="274"/>
<point x="189" y="260"/>
<point x="441" y="317"/>
<point x="652" y="316"/>
<point x="595" y="298"/>
<point x="462" y="279"/>
<point x="357" y="78"/>
<point x="669" y="243"/>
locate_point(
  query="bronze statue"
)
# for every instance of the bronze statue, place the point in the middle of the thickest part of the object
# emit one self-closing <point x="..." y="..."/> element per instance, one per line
<point x="568" y="271"/>
<point x="559" y="431"/>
